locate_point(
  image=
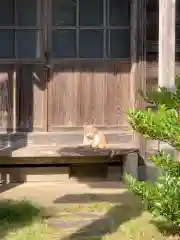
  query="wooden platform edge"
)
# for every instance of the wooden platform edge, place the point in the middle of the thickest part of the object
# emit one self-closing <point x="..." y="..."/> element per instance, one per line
<point x="115" y="155"/>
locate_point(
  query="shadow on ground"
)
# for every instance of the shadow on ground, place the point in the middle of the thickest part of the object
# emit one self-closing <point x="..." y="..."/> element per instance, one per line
<point x="7" y="187"/>
<point x="102" y="184"/>
<point x="17" y="214"/>
<point x="124" y="208"/>
<point x="86" y="198"/>
<point x="108" y="224"/>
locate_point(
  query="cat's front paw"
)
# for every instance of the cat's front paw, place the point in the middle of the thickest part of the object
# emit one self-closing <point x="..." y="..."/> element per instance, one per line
<point x="95" y="146"/>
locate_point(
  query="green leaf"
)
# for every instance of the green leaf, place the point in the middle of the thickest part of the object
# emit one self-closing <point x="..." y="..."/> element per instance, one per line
<point x="161" y="198"/>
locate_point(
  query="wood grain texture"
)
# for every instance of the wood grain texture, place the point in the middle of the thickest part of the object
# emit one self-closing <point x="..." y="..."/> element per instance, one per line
<point x="138" y="59"/>
<point x="167" y="23"/>
<point x="152" y="69"/>
<point x="86" y="92"/>
<point x="65" y="155"/>
<point x="152" y="73"/>
<point x="32" y="98"/>
<point x="6" y="98"/>
<point x="134" y="50"/>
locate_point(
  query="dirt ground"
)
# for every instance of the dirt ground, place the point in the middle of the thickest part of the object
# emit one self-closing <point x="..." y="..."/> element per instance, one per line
<point x="52" y="193"/>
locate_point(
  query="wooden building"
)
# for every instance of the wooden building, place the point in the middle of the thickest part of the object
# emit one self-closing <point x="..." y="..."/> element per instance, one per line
<point x="65" y="63"/>
<point x="70" y="62"/>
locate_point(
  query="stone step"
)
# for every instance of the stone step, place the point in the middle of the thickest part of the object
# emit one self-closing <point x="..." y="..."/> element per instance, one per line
<point x="3" y="140"/>
<point x="60" y="138"/>
<point x="75" y="138"/>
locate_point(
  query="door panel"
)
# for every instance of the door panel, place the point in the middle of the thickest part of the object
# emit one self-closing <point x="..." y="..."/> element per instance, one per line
<point x="32" y="98"/>
<point x="88" y="92"/>
<point x="89" y="82"/>
<point x="6" y="97"/>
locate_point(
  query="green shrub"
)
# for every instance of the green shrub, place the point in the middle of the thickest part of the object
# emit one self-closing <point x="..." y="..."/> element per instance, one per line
<point x="161" y="198"/>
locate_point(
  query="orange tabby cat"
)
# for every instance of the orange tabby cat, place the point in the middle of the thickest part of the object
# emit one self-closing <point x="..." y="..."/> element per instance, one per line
<point x="93" y="137"/>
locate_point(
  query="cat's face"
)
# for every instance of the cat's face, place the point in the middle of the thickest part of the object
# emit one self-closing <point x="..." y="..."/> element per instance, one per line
<point x="90" y="131"/>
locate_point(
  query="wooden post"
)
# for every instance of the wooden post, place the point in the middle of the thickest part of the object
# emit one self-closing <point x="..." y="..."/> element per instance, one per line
<point x="167" y="42"/>
<point x="138" y="31"/>
<point x="167" y="23"/>
<point x="138" y="69"/>
<point x="14" y="101"/>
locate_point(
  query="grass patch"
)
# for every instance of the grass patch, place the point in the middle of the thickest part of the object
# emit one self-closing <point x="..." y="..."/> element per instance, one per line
<point x="23" y="220"/>
<point x="35" y="231"/>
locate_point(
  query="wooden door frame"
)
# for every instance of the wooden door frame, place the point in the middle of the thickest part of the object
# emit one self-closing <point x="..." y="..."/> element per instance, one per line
<point x="48" y="53"/>
<point x="42" y="9"/>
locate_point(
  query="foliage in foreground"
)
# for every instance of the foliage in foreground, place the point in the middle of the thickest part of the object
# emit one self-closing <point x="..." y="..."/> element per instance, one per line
<point x="22" y="220"/>
<point x="161" y="198"/>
